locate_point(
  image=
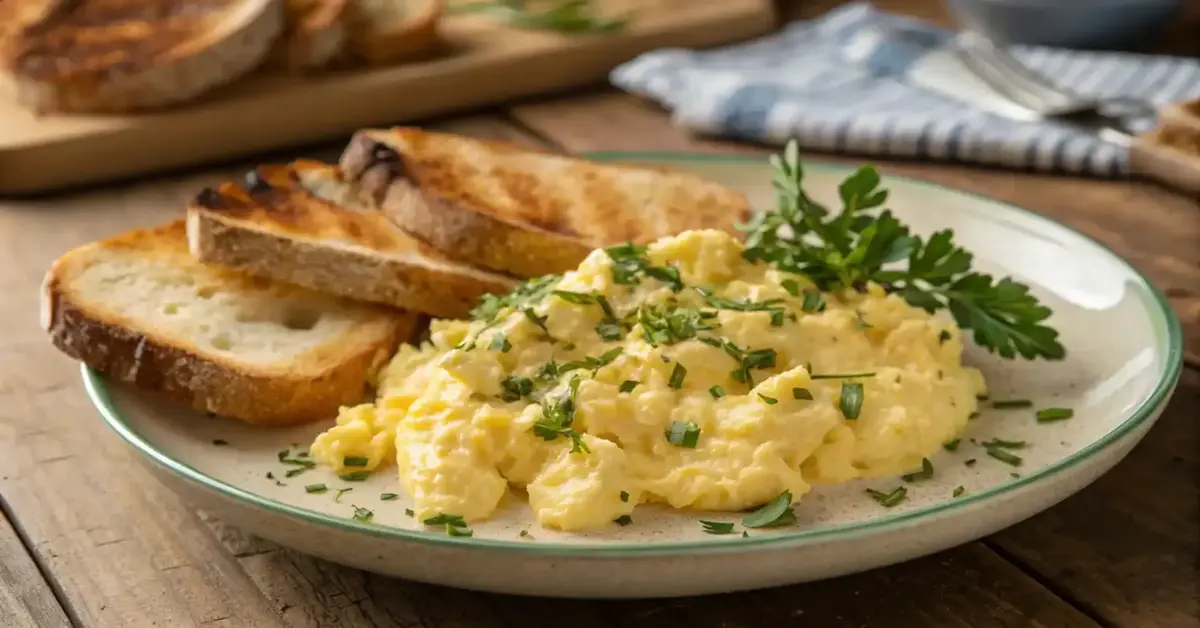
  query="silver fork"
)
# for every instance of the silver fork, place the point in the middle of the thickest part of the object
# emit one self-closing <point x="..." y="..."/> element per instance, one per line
<point x="1041" y="97"/>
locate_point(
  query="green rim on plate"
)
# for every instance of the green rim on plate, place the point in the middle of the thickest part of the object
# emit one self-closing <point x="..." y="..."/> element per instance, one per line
<point x="1170" y="340"/>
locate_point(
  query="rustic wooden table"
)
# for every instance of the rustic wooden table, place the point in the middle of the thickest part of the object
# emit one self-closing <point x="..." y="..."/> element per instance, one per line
<point x="87" y="538"/>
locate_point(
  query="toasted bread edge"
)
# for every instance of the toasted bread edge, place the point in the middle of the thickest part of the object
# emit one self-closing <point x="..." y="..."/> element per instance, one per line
<point x="205" y="384"/>
<point x="327" y="267"/>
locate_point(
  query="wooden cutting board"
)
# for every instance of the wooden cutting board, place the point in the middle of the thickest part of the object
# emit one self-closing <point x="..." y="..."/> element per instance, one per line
<point x="488" y="62"/>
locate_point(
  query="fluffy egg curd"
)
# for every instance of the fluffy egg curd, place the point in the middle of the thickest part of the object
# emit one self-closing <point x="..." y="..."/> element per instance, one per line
<point x="678" y="373"/>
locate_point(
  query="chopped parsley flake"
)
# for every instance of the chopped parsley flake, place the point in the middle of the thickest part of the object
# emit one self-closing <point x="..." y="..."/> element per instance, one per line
<point x="558" y="413"/>
<point x="624" y="496"/>
<point x="814" y="302"/>
<point x="500" y="342"/>
<point x="513" y="387"/>
<point x="925" y="473"/>
<point x="802" y="394"/>
<point x="942" y="338"/>
<point x="532" y="291"/>
<point x="628" y="385"/>
<point x="355" y="476"/>
<point x="791" y="287"/>
<point x="623" y="520"/>
<point x="363" y="514"/>
<point x="951" y="445"/>
<point x="630" y="267"/>
<point x="1012" y="404"/>
<point x="677" y="375"/>
<point x="717" y="392"/>
<point x="316" y="488"/>
<point x="355" y="461"/>
<point x="387" y="497"/>
<point x="770" y="401"/>
<point x="958" y="491"/>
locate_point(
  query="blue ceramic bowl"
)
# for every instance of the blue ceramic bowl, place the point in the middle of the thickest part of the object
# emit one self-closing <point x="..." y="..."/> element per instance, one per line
<point x="1067" y="23"/>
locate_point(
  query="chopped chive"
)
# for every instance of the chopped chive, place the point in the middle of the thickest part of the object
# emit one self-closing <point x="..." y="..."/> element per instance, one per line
<point x="316" y="488"/>
<point x="355" y="461"/>
<point x="851" y="400"/>
<point x="624" y="496"/>
<point x="925" y="473"/>
<point x="623" y="520"/>
<point x="777" y="512"/>
<point x="717" y="392"/>
<point x="445" y="519"/>
<point x="683" y="434"/>
<point x="220" y="442"/>
<point x="1014" y="475"/>
<point x="362" y="514"/>
<point x="628" y="385"/>
<point x="1047" y="415"/>
<point x="843" y="375"/>
<point x="958" y="491"/>
<point x="291" y="473"/>
<point x="523" y="534"/>
<point x="270" y="476"/>
<point x="802" y="393"/>
<point x="452" y="530"/>
<point x="951" y="445"/>
<point x="570" y="346"/>
<point x="387" y="497"/>
<point x="943" y="337"/>
<point x="814" y="302"/>
<point x="716" y="527"/>
<point x="887" y="500"/>
<point x="355" y="476"/>
<point x="791" y="287"/>
<point x="1005" y="456"/>
<point x="1012" y="404"/>
<point x="500" y="343"/>
<point x="970" y="462"/>
<point x="338" y="496"/>
<point x="409" y="512"/>
<point x="677" y="375"/>
<point x="1004" y="444"/>
<point x="973" y="416"/>
<point x="770" y="401"/>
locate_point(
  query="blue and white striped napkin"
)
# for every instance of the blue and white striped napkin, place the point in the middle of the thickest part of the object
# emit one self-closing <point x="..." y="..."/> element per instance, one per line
<point x="863" y="81"/>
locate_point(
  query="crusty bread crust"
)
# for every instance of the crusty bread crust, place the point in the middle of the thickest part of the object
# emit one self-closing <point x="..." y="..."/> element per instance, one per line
<point x="289" y="234"/>
<point x="178" y="59"/>
<point x="409" y="40"/>
<point x="315" y="35"/>
<point x="472" y="200"/>
<point x="207" y="383"/>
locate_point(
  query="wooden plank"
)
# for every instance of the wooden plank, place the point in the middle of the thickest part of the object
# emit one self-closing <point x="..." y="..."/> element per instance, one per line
<point x="1126" y="546"/>
<point x="25" y="597"/>
<point x="1123" y="547"/>
<point x="1154" y="228"/>
<point x="124" y="551"/>
<point x="487" y="62"/>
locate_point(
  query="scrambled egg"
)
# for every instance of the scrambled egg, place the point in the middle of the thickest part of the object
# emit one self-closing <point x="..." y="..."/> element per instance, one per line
<point x="678" y="374"/>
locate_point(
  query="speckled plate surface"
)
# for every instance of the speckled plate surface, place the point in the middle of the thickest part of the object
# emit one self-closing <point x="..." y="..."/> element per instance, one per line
<point x="1124" y="356"/>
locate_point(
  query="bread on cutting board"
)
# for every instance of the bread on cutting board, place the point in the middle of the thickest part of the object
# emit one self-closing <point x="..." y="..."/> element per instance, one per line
<point x="303" y="223"/>
<point x="140" y="309"/>
<point x="102" y="56"/>
<point x="527" y="212"/>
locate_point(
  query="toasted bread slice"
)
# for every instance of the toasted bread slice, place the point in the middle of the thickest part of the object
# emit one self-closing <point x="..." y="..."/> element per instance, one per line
<point x="525" y="212"/>
<point x="315" y="35"/>
<point x="125" y="55"/>
<point x="140" y="309"/>
<point x="387" y="32"/>
<point x="305" y="225"/>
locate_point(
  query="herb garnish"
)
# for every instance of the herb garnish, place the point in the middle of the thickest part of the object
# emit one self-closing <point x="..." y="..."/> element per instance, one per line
<point x="500" y="342"/>
<point x="455" y="524"/>
<point x="772" y="306"/>
<point x="1003" y="455"/>
<point x="387" y="497"/>
<point x="532" y="291"/>
<point x="770" y="401"/>
<point x="558" y="413"/>
<point x="220" y="442"/>
<point x="628" y="385"/>
<point x="316" y="488"/>
<point x="802" y="394"/>
<point x="746" y="359"/>
<point x="623" y="520"/>
<point x="669" y="324"/>
<point x="291" y="473"/>
<point x="777" y="512"/>
<point x="624" y="496"/>
<point x="630" y="267"/>
<point x="717" y="392"/>
<point x="683" y="433"/>
<point x="362" y="514"/>
<point x="951" y="445"/>
<point x="814" y="302"/>
<point x="716" y="527"/>
<point x="591" y="363"/>
<point x="845" y="249"/>
<point x="958" y="491"/>
<point x="355" y="476"/>
<point x="337" y="497"/>
<point x="925" y="473"/>
<point x="677" y="375"/>
<point x="843" y="375"/>
<point x="355" y="461"/>
<point x="513" y="387"/>
<point x="1012" y="404"/>
<point x="887" y="500"/>
<point x="1048" y="415"/>
<point x="851" y="400"/>
<point x="284" y="456"/>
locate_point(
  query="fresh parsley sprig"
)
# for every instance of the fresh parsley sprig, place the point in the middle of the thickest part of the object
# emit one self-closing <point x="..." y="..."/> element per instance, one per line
<point x="846" y="249"/>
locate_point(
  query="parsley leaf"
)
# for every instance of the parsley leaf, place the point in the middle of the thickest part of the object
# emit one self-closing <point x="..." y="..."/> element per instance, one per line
<point x="846" y="249"/>
<point x="528" y="293"/>
<point x="777" y="512"/>
<point x="558" y="413"/>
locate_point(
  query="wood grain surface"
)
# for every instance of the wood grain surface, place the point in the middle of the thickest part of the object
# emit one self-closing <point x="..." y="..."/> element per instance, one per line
<point x="121" y="551"/>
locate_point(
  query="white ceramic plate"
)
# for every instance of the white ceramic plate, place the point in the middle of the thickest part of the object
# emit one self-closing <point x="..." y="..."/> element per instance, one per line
<point x="1124" y="357"/>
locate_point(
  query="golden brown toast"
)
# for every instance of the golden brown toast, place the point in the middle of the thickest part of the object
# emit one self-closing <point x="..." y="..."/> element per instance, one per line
<point x="303" y="224"/>
<point x="123" y="55"/>
<point x="138" y="308"/>
<point x="527" y="212"/>
<point x="315" y="34"/>
<point x="386" y="32"/>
